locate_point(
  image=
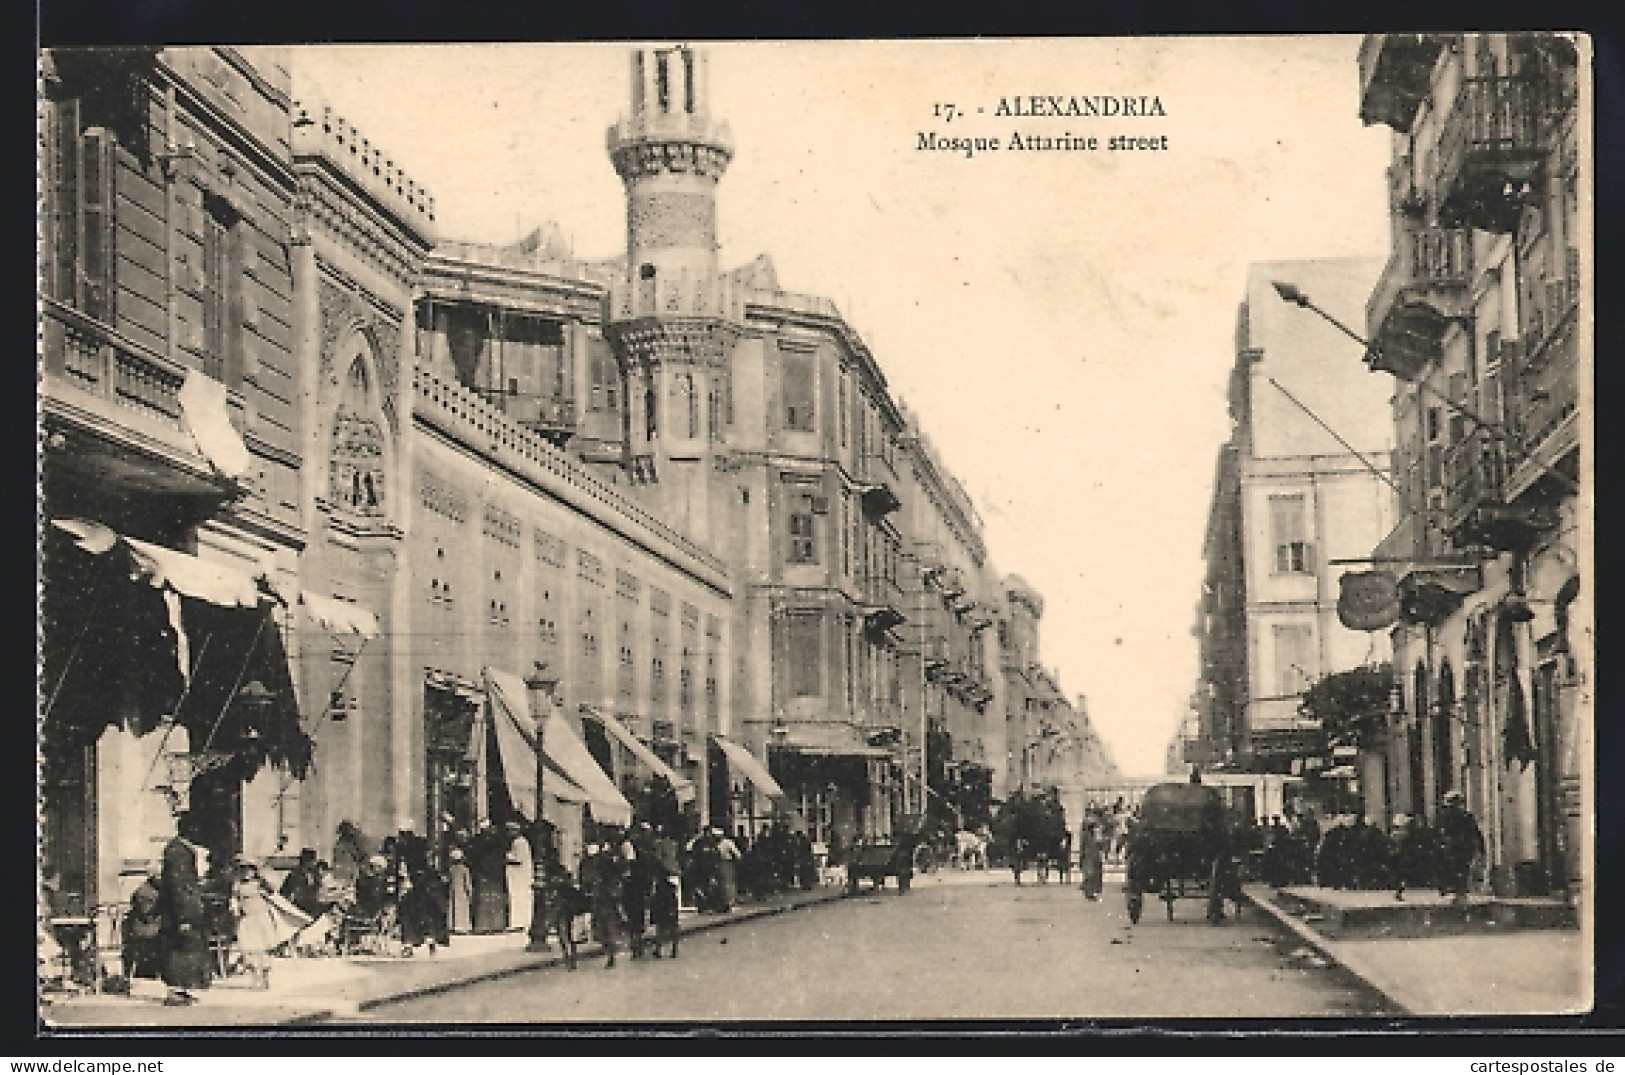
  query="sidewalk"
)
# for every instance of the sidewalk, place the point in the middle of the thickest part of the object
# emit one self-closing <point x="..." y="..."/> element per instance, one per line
<point x="309" y="990"/>
<point x="1442" y="968"/>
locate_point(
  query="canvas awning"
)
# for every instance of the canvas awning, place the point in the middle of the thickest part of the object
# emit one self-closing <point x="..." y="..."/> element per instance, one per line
<point x="517" y="748"/>
<point x="187" y="575"/>
<point x="682" y="785"/>
<point x="744" y="764"/>
<point x="340" y="617"/>
<point x="829" y="740"/>
<point x="207" y="416"/>
<point x="561" y="745"/>
<point x="578" y="777"/>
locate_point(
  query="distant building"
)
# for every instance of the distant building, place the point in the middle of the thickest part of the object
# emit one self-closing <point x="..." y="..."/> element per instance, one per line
<point x="1292" y="511"/>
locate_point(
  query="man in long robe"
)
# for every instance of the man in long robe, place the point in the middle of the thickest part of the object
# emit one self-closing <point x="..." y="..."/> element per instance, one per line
<point x="183" y="933"/>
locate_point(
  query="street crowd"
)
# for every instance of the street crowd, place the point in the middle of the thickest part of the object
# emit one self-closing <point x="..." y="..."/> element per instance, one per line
<point x="205" y="914"/>
<point x="1354" y="854"/>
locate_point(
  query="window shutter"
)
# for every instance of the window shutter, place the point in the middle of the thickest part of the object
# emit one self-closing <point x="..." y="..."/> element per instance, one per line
<point x="62" y="155"/>
<point x="96" y="224"/>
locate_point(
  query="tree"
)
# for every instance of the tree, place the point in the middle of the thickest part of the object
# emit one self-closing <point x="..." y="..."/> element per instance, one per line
<point x="1352" y="706"/>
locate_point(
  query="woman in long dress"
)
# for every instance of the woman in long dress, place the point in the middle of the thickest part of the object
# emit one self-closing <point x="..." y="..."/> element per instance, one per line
<point x="1091" y="862"/>
<point x="518" y="877"/>
<point x="460" y="900"/>
<point x="264" y="920"/>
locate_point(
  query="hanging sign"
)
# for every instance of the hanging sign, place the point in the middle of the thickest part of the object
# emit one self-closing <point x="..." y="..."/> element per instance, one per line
<point x="1368" y="600"/>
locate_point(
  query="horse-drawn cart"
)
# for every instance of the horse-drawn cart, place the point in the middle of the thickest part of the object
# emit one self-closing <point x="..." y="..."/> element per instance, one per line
<point x="878" y="860"/>
<point x="1180" y="849"/>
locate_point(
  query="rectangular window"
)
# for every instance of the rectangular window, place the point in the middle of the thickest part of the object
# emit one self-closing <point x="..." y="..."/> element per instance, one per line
<point x="804" y="637"/>
<point x="798" y="390"/>
<point x="219" y="283"/>
<point x="842" y="418"/>
<point x="1289" y="533"/>
<point x="803" y="535"/>
<point x="1294" y="658"/>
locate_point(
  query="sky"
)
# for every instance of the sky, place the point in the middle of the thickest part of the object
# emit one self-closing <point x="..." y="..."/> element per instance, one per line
<point x="1061" y="322"/>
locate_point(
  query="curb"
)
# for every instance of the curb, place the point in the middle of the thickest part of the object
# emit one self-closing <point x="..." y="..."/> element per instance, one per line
<point x="1309" y="936"/>
<point x="542" y="960"/>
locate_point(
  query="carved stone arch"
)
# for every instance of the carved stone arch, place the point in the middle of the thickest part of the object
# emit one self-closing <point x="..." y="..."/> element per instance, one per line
<point x="360" y="453"/>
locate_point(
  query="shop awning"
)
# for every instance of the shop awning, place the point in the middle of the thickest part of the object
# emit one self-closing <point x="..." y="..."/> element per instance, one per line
<point x="207" y="416"/>
<point x="516" y="738"/>
<point x="516" y="745"/>
<point x="340" y="617"/>
<point x="682" y="785"/>
<point x="572" y="774"/>
<point x="828" y="740"/>
<point x="744" y="764"/>
<point x="561" y="744"/>
<point x="187" y="575"/>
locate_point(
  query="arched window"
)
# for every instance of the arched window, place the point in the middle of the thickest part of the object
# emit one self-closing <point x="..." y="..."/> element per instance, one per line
<point x="356" y="460"/>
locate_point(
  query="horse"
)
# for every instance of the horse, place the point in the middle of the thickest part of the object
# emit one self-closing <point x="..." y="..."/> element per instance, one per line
<point x="970" y="850"/>
<point x="564" y="904"/>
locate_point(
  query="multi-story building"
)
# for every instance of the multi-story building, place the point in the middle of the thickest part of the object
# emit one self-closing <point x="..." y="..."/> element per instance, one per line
<point x="1293" y="508"/>
<point x="426" y="523"/>
<point x="1477" y="317"/>
<point x="171" y="456"/>
<point x="951" y="684"/>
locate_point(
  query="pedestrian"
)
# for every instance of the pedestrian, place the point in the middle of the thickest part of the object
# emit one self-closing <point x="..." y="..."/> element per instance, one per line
<point x="517" y="873"/>
<point x="183" y="935"/>
<point x="663" y="904"/>
<point x="488" y="866"/>
<point x="350" y="850"/>
<point x="1461" y="844"/>
<point x="727" y="866"/>
<point x="264" y="920"/>
<point x="424" y="920"/>
<point x="302" y="886"/>
<point x="139" y="931"/>
<point x="639" y="884"/>
<point x="604" y="869"/>
<point x="1091" y="863"/>
<point x="460" y="894"/>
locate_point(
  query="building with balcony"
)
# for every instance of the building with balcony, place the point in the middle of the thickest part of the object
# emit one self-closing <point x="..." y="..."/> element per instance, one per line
<point x="484" y="510"/>
<point x="171" y="459"/>
<point x="1478" y="319"/>
<point x="1293" y="508"/>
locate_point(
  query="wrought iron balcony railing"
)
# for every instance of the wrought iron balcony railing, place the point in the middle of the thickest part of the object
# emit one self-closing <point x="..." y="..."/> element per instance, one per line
<point x="1489" y="150"/>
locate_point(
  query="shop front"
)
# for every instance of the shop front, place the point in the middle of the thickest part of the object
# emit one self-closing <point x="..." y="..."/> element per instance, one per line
<point x="165" y="688"/>
<point x="839" y="786"/>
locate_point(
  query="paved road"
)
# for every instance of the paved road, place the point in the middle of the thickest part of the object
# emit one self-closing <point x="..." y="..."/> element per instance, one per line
<point x="947" y="950"/>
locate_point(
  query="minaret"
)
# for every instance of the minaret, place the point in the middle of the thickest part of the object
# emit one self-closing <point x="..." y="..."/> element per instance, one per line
<point x="670" y="319"/>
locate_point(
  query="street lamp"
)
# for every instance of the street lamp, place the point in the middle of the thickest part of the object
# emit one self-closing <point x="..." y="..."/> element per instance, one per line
<point x="1375" y="360"/>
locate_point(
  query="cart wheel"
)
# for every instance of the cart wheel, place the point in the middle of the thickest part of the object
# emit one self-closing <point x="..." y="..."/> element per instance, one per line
<point x="1136" y="903"/>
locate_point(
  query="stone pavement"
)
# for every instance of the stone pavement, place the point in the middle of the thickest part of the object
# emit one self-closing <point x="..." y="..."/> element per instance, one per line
<point x="308" y="990"/>
<point x="1429" y="958"/>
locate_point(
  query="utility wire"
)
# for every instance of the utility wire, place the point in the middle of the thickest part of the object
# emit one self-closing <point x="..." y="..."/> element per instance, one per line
<point x="1368" y="464"/>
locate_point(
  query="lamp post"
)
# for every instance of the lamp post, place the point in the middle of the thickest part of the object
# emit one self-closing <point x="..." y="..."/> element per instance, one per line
<point x="1292" y="294"/>
<point x="540" y="686"/>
